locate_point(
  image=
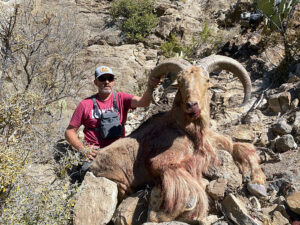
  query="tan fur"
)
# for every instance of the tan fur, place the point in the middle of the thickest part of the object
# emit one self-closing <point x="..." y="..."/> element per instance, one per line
<point x="171" y="151"/>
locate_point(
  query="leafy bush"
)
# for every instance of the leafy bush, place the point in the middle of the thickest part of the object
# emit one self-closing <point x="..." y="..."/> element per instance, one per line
<point x="138" y="18"/>
<point x="50" y="204"/>
<point x="12" y="162"/>
<point x="15" y="115"/>
<point x="202" y="44"/>
<point x="172" y="47"/>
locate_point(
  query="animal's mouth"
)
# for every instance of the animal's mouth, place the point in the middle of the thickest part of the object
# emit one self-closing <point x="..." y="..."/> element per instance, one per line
<point x="194" y="114"/>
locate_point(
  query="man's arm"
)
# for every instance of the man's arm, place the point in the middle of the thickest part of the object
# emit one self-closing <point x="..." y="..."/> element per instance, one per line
<point x="145" y="100"/>
<point x="72" y="138"/>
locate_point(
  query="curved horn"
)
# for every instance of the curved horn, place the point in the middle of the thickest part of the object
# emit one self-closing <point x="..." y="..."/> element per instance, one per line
<point x="218" y="62"/>
<point x="172" y="65"/>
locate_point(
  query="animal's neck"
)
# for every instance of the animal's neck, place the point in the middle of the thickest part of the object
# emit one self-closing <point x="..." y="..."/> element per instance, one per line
<point x="181" y="120"/>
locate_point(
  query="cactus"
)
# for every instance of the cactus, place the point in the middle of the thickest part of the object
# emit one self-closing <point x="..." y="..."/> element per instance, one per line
<point x="276" y="12"/>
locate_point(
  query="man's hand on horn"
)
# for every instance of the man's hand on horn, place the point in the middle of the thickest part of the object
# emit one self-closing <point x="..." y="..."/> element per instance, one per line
<point x="153" y="82"/>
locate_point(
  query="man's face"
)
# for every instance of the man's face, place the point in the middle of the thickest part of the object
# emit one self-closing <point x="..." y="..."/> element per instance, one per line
<point x="105" y="83"/>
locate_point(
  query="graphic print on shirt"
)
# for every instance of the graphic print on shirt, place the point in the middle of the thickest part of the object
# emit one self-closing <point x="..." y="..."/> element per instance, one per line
<point x="96" y="115"/>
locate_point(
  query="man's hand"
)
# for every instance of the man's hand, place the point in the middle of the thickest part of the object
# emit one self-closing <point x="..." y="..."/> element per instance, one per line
<point x="145" y="100"/>
<point x="91" y="152"/>
<point x="153" y="82"/>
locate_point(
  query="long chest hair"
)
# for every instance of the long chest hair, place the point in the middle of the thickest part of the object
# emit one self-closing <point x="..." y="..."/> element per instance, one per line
<point x="204" y="154"/>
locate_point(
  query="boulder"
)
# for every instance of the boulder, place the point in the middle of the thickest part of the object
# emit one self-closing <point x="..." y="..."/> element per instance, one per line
<point x="236" y="211"/>
<point x="132" y="210"/>
<point x="284" y="173"/>
<point x="279" y="219"/>
<point x="285" y="143"/>
<point x="280" y="102"/>
<point x="96" y="201"/>
<point x="293" y="202"/>
<point x="282" y="127"/>
<point x="216" y="188"/>
<point x="226" y="169"/>
<point x="167" y="223"/>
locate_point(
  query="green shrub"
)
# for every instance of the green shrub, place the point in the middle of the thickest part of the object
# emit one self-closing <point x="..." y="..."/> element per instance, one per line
<point x="138" y="18"/>
<point x="202" y="44"/>
<point x="172" y="47"/>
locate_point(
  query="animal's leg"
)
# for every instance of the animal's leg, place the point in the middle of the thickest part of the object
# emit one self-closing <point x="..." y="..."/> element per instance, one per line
<point x="244" y="155"/>
<point x="155" y="214"/>
<point x="180" y="190"/>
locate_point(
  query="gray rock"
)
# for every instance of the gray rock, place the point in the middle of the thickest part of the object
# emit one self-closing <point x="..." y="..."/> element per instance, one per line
<point x="246" y="132"/>
<point x="236" y="211"/>
<point x="253" y="117"/>
<point x="282" y="127"/>
<point x="216" y="188"/>
<point x="220" y="223"/>
<point x="132" y="210"/>
<point x="296" y="124"/>
<point x="227" y="170"/>
<point x="285" y="173"/>
<point x="40" y="175"/>
<point x="280" y="102"/>
<point x="112" y="36"/>
<point x="96" y="201"/>
<point x="211" y="219"/>
<point x="279" y="219"/>
<point x="285" y="143"/>
<point x="255" y="203"/>
<point x="257" y="190"/>
<point x="167" y="223"/>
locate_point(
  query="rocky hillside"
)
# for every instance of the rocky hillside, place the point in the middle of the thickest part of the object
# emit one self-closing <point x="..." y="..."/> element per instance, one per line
<point x="271" y="120"/>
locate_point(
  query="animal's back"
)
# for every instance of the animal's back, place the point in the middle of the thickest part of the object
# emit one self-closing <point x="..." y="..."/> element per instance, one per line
<point x="126" y="161"/>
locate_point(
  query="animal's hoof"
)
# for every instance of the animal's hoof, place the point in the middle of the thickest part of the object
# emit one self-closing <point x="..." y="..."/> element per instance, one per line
<point x="191" y="204"/>
<point x="258" y="190"/>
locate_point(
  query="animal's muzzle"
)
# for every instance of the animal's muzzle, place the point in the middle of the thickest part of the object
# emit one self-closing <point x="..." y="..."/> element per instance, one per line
<point x="192" y="109"/>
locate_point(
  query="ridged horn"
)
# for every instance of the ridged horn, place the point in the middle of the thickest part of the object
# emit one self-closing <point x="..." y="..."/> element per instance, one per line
<point x="218" y="62"/>
<point x="172" y="65"/>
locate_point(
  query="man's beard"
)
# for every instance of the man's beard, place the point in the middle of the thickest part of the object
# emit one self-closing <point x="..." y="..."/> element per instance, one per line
<point x="105" y="90"/>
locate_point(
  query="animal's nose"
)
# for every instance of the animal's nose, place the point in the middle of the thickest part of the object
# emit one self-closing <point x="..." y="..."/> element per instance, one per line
<point x="190" y="105"/>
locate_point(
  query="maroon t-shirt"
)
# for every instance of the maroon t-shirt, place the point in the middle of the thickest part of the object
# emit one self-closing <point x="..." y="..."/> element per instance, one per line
<point x="84" y="115"/>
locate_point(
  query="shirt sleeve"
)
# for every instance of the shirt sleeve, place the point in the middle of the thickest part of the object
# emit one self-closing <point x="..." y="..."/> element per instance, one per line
<point x="127" y="100"/>
<point x="77" y="118"/>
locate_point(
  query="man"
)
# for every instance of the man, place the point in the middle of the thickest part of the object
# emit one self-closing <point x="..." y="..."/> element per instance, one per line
<point x="93" y="110"/>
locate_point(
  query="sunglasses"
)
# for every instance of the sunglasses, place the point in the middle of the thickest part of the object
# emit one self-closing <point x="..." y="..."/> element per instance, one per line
<point x="105" y="78"/>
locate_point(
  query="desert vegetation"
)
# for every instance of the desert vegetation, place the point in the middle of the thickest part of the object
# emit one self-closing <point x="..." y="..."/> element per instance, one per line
<point x="206" y="42"/>
<point x="39" y="50"/>
<point x="280" y="27"/>
<point x="38" y="71"/>
<point x="137" y="17"/>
